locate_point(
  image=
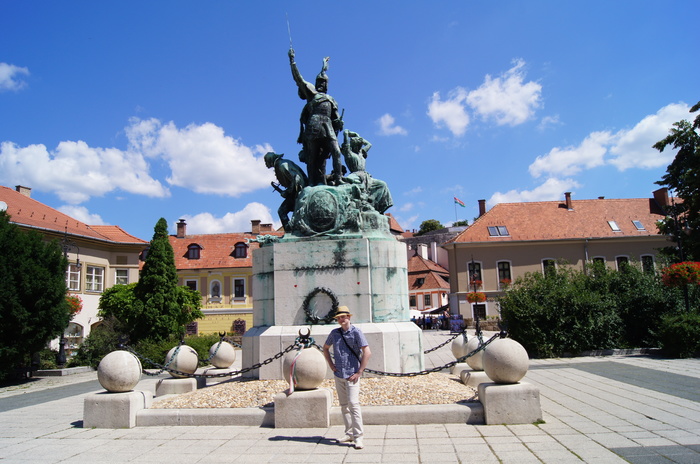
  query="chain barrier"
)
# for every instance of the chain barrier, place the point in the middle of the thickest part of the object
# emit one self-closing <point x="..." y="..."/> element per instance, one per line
<point x="435" y="348"/>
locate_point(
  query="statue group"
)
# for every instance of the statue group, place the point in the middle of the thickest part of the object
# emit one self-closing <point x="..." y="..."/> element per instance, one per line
<point x="348" y="200"/>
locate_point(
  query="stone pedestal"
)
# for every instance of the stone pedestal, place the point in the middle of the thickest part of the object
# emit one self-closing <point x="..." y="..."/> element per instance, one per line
<point x="458" y="368"/>
<point x="300" y="278"/>
<point x="175" y="386"/>
<point x="517" y="403"/>
<point x="105" y="410"/>
<point x="396" y="347"/>
<point x="473" y="378"/>
<point x="212" y="371"/>
<point x="303" y="409"/>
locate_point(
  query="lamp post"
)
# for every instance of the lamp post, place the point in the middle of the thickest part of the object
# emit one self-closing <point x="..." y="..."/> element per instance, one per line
<point x="67" y="245"/>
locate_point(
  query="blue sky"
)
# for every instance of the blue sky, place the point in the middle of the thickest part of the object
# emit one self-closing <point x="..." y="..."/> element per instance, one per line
<point x="124" y="112"/>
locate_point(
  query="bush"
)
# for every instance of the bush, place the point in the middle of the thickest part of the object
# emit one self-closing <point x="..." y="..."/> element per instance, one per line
<point x="102" y="340"/>
<point x="679" y="334"/>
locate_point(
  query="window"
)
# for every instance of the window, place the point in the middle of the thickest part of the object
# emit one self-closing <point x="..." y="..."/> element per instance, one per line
<point x="648" y="264"/>
<point x="599" y="261"/>
<point x="498" y="231"/>
<point x="412" y="301"/>
<point x="638" y="225"/>
<point x="474" y="270"/>
<point x="622" y="262"/>
<point x="239" y="288"/>
<point x="191" y="284"/>
<point x="121" y="276"/>
<point x="613" y="225"/>
<point x="94" y="279"/>
<point x="549" y="266"/>
<point x="73" y="277"/>
<point x="427" y="301"/>
<point x="240" y="250"/>
<point x="480" y="310"/>
<point x="420" y="281"/>
<point x="193" y="251"/>
<point x="504" y="276"/>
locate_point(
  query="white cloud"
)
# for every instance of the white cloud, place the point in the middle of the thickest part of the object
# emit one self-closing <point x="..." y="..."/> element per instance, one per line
<point x="82" y="214"/>
<point x="10" y="77"/>
<point x="507" y="99"/>
<point x="552" y="189"/>
<point x="407" y="207"/>
<point x="202" y="158"/>
<point x="549" y="121"/>
<point x="451" y="112"/>
<point x="624" y="149"/>
<point x="414" y="191"/>
<point x="75" y="172"/>
<point x="207" y="223"/>
<point x="634" y="148"/>
<point x="570" y="160"/>
<point x="387" y="126"/>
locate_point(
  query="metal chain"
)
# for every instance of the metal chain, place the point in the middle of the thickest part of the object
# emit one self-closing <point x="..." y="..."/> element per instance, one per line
<point x="163" y="368"/>
<point x="435" y="348"/>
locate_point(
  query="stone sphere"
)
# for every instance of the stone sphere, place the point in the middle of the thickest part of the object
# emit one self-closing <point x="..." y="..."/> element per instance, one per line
<point x="119" y="371"/>
<point x="186" y="360"/>
<point x="475" y="362"/>
<point x="310" y="368"/>
<point x="225" y="355"/>
<point x="506" y="361"/>
<point x="459" y="347"/>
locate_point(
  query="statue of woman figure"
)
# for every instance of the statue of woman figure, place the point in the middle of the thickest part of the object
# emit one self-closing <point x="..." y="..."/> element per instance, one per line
<point x="355" y="150"/>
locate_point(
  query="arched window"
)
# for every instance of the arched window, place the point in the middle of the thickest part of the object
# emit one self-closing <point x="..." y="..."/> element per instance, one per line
<point x="193" y="251"/>
<point x="240" y="250"/>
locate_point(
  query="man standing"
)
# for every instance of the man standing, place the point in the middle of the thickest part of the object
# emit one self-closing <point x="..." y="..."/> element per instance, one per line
<point x="351" y="354"/>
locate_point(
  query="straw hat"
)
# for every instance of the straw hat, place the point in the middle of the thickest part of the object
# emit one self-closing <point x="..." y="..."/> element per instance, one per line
<point x="342" y="311"/>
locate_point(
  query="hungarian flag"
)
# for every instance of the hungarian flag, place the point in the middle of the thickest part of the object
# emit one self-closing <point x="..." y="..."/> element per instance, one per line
<point x="459" y="202"/>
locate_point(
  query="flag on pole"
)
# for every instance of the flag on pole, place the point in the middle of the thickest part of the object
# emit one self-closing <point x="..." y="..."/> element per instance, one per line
<point x="459" y="202"/>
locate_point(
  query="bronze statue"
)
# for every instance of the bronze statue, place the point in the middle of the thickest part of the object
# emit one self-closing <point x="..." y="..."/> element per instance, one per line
<point x="320" y="123"/>
<point x="376" y="192"/>
<point x="290" y="176"/>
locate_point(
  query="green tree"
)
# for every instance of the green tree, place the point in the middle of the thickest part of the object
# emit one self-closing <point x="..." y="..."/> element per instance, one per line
<point x="33" y="306"/>
<point x="428" y="226"/>
<point x="154" y="307"/>
<point x="460" y="223"/>
<point x="683" y="176"/>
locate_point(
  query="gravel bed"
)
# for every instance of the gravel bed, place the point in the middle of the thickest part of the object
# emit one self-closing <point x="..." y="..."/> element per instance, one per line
<point x="435" y="388"/>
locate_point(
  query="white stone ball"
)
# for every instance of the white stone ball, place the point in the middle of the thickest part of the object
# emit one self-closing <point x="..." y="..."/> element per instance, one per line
<point x="187" y="360"/>
<point x="225" y="355"/>
<point x="475" y="361"/>
<point x="459" y="347"/>
<point x="310" y="368"/>
<point x="506" y="361"/>
<point x="119" y="371"/>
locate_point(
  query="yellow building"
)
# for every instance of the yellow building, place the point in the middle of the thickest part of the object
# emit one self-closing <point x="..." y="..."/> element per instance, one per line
<point x="220" y="267"/>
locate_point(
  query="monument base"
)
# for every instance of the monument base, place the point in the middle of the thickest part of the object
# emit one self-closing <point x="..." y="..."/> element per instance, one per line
<point x="304" y="409"/>
<point x="395" y="346"/>
<point x="105" y="410"/>
<point x="511" y="404"/>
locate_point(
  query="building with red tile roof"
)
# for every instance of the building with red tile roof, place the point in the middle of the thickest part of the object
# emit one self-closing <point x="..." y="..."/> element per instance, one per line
<point x="428" y="283"/>
<point x="220" y="266"/>
<point x="99" y="256"/>
<point x="513" y="239"/>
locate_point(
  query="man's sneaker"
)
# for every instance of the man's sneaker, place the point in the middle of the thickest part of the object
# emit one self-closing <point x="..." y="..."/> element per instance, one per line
<point x="347" y="439"/>
<point x="358" y="443"/>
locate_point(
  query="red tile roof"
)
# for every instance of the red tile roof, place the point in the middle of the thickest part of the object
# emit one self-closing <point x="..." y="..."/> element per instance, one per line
<point x="433" y="275"/>
<point x="28" y="212"/>
<point x="394" y="225"/>
<point x="552" y="220"/>
<point x="216" y="250"/>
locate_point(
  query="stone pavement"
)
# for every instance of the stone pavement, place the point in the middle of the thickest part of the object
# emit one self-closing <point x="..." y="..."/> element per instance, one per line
<point x="612" y="409"/>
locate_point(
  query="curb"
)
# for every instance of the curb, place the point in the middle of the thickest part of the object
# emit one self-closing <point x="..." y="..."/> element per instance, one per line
<point x="456" y="413"/>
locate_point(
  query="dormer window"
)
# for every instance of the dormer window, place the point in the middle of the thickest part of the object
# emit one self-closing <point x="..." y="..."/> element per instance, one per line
<point x="240" y="250"/>
<point x="638" y="225"/>
<point x="498" y="231"/>
<point x="193" y="251"/>
<point x="420" y="281"/>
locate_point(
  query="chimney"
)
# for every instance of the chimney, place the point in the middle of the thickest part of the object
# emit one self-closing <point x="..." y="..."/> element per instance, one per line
<point x="255" y="224"/>
<point x="422" y="250"/>
<point x="26" y="191"/>
<point x="661" y="198"/>
<point x="181" y="229"/>
<point x="265" y="227"/>
<point x="568" y="201"/>
<point x="482" y="207"/>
